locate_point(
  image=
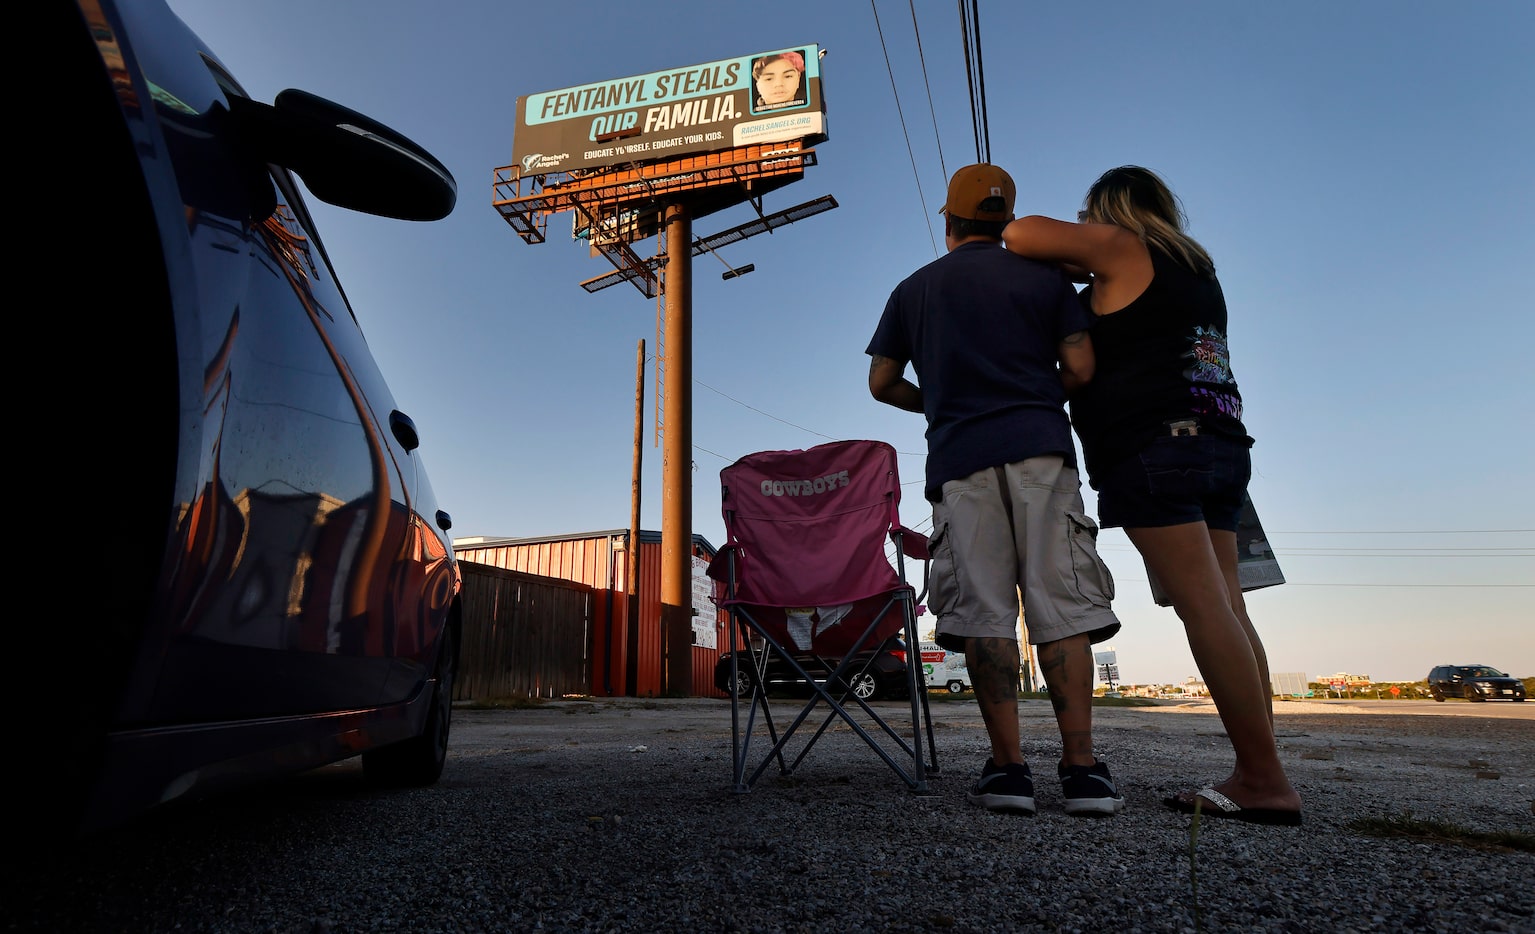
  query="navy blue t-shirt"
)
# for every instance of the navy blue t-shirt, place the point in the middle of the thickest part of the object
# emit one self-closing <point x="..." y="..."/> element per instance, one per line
<point x="980" y="327"/>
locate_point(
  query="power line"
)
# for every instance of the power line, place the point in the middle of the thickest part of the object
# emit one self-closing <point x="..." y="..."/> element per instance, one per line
<point x="897" y="95"/>
<point x="970" y="25"/>
<point x="766" y="414"/>
<point x="1490" y="551"/>
<point x="1318" y="551"/>
<point x="775" y="418"/>
<point x="976" y="83"/>
<point x="975" y="74"/>
<point x="1414" y="532"/>
<point x="728" y="460"/>
<point x="1440" y="551"/>
<point x="931" y="110"/>
<point x="1290" y="583"/>
<point x="1403" y="552"/>
<point x="925" y="525"/>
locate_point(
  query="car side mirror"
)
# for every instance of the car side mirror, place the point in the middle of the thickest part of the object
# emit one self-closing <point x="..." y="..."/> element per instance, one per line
<point x="345" y="158"/>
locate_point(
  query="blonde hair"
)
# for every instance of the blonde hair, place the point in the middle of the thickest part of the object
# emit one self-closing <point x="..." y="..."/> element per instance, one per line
<point x="1137" y="200"/>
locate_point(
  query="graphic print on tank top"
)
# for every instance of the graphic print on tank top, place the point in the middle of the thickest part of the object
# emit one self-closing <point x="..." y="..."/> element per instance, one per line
<point x="1209" y="371"/>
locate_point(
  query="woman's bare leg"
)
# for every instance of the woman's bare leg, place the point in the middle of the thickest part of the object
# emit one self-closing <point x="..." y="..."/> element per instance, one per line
<point x="1183" y="559"/>
<point x="1225" y="545"/>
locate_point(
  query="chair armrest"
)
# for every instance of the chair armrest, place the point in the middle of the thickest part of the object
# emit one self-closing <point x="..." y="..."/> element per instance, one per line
<point x="719" y="566"/>
<point x="912" y="544"/>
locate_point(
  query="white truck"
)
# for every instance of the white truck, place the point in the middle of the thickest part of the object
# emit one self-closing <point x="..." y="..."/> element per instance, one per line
<point x="944" y="669"/>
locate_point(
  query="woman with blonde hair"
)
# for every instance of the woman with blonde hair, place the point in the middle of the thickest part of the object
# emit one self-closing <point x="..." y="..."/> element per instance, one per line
<point x="1165" y="447"/>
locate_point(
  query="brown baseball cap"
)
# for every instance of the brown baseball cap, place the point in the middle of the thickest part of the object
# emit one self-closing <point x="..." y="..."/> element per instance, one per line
<point x="972" y="185"/>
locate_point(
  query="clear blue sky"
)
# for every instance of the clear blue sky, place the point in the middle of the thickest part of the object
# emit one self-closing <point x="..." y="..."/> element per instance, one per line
<point x="1361" y="172"/>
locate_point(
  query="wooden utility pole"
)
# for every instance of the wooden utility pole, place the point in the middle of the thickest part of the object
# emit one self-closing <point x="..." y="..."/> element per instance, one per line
<point x="632" y="579"/>
<point x="632" y="556"/>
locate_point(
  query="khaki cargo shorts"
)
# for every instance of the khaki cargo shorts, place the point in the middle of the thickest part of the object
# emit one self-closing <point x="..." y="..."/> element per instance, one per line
<point x="1011" y="529"/>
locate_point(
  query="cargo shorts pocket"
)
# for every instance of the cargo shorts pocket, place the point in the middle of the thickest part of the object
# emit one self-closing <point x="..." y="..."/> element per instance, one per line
<point x="1094" y="582"/>
<point x="942" y="582"/>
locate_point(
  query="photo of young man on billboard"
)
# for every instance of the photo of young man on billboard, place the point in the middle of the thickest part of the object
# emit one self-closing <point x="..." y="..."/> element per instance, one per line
<point x="778" y="81"/>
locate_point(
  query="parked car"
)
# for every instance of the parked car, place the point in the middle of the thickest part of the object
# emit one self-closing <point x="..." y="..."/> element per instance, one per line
<point x="248" y="574"/>
<point x="879" y="674"/>
<point x="1474" y="683"/>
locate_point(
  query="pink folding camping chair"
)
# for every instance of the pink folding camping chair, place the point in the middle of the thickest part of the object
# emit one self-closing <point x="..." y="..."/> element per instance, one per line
<point x="809" y="585"/>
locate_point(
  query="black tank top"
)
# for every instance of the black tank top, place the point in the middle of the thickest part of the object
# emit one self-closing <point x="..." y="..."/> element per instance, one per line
<point x="1161" y="358"/>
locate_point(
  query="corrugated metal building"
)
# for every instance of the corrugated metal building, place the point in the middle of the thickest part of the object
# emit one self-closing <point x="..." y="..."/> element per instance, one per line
<point x="638" y="651"/>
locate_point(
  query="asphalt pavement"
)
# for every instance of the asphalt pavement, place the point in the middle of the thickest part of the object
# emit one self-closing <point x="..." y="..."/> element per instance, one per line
<point x="619" y="815"/>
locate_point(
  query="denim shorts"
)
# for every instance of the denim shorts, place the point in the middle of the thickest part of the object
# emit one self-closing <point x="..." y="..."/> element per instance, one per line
<point x="1176" y="480"/>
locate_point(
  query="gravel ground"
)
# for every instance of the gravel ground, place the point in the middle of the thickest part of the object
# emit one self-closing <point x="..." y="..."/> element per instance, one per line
<point x="619" y="816"/>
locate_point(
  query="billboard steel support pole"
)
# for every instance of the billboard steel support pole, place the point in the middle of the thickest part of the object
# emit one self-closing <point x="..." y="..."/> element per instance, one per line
<point x="677" y="447"/>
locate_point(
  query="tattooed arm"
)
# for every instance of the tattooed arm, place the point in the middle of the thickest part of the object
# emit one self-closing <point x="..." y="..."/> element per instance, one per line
<point x="888" y="384"/>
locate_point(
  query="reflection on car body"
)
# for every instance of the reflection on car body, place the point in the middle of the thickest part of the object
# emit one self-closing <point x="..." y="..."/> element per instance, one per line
<point x="279" y="589"/>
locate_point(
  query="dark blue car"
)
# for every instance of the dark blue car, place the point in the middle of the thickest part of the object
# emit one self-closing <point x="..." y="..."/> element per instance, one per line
<point x="247" y="574"/>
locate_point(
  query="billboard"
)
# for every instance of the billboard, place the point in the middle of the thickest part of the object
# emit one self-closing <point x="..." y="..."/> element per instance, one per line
<point x="1290" y="683"/>
<point x="766" y="97"/>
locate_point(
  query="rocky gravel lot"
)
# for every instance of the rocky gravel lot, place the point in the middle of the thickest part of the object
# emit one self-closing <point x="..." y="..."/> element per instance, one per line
<point x="618" y="816"/>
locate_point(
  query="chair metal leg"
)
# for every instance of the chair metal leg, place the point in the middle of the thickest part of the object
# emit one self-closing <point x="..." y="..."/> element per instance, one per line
<point x="908" y="760"/>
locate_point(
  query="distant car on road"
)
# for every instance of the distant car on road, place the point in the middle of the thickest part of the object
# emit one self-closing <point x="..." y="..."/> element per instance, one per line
<point x="1474" y="683"/>
<point x="248" y="574"/>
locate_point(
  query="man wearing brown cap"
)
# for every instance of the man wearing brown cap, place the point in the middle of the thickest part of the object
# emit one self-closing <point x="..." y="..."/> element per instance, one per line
<point x="997" y="342"/>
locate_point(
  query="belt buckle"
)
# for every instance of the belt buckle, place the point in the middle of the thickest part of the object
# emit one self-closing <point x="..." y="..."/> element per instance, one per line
<point x="1183" y="428"/>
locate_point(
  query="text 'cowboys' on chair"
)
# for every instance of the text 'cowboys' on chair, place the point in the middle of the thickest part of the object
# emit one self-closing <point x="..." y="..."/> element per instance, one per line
<point x="808" y="580"/>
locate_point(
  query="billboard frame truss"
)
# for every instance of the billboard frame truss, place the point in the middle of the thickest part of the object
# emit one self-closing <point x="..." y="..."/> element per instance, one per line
<point x="763" y="224"/>
<point x="706" y="183"/>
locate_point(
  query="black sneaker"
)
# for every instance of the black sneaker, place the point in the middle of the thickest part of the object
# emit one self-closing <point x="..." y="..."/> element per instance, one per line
<point x="1004" y="788"/>
<point x="1089" y="790"/>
